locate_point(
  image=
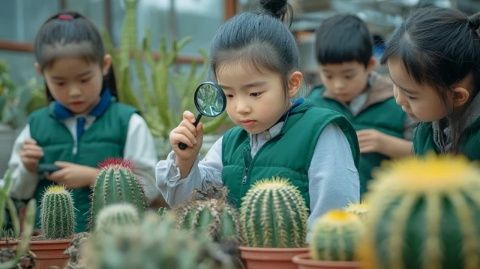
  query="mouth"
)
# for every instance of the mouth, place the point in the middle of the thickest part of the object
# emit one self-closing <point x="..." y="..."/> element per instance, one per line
<point x="247" y="123"/>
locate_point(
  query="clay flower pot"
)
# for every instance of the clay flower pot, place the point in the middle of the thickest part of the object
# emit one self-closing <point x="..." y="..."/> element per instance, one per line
<point x="269" y="258"/>
<point x="50" y="252"/>
<point x="303" y="261"/>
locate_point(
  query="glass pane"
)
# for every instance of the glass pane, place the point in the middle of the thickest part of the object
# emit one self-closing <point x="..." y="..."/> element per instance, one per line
<point x="92" y="9"/>
<point x="20" y="19"/>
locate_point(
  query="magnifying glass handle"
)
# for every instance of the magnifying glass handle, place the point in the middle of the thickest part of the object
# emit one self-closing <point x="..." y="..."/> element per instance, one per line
<point x="182" y="145"/>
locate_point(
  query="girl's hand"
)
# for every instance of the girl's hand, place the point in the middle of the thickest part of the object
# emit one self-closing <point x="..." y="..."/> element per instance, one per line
<point x="188" y="134"/>
<point x="30" y="154"/>
<point x="73" y="175"/>
<point x="370" y="140"/>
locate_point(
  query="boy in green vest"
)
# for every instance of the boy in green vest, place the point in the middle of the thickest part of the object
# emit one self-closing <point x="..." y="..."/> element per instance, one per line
<point x="350" y="86"/>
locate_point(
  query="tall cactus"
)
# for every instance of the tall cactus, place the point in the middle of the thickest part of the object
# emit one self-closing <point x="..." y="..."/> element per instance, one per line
<point x="116" y="215"/>
<point x="424" y="213"/>
<point x="154" y="243"/>
<point x="215" y="217"/>
<point x="57" y="213"/>
<point x="335" y="236"/>
<point x="116" y="183"/>
<point x="273" y="214"/>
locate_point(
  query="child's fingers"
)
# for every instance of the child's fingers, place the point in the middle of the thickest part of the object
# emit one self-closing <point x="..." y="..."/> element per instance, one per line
<point x="189" y="116"/>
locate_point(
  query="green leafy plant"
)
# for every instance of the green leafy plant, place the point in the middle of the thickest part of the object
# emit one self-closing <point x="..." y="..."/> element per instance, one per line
<point x="273" y="214"/>
<point x="156" y="86"/>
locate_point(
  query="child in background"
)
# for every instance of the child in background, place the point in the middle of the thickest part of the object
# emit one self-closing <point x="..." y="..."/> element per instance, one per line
<point x="352" y="87"/>
<point x="434" y="62"/>
<point x="83" y="124"/>
<point x="255" y="61"/>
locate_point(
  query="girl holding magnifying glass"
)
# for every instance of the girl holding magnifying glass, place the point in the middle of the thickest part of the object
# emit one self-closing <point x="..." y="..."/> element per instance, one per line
<point x="255" y="61"/>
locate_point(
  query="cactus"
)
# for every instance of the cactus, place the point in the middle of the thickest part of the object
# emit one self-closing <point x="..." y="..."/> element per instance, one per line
<point x="153" y="244"/>
<point x="359" y="209"/>
<point x="273" y="214"/>
<point x="57" y="213"/>
<point x="215" y="217"/>
<point x="116" y="183"/>
<point x="116" y="215"/>
<point x="335" y="236"/>
<point x="424" y="213"/>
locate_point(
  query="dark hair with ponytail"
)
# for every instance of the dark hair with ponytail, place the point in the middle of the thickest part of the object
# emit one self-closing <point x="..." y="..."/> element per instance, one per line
<point x="439" y="47"/>
<point x="67" y="34"/>
<point x="259" y="38"/>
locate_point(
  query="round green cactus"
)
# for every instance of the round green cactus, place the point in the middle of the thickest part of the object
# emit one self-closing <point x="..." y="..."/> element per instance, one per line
<point x="359" y="209"/>
<point x="335" y="236"/>
<point x="116" y="215"/>
<point x="424" y="213"/>
<point x="215" y="217"/>
<point x="273" y="214"/>
<point x="57" y="213"/>
<point x="116" y="183"/>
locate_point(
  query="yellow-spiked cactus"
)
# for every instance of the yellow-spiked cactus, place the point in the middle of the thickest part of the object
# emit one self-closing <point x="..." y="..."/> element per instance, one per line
<point x="215" y="217"/>
<point x="116" y="215"/>
<point x="57" y="213"/>
<point x="116" y="183"/>
<point x="424" y="213"/>
<point x="359" y="209"/>
<point x="335" y="236"/>
<point x="273" y="214"/>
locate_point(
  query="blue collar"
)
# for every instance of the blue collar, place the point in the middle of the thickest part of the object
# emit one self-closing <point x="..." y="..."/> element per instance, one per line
<point x="61" y="112"/>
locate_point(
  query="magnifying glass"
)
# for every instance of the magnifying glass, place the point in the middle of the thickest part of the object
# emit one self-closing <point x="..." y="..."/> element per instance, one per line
<point x="209" y="100"/>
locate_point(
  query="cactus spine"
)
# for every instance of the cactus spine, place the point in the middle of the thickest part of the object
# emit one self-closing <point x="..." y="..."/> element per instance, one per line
<point x="213" y="216"/>
<point x="116" y="215"/>
<point x="335" y="236"/>
<point x="359" y="209"/>
<point x="273" y="214"/>
<point x="57" y="213"/>
<point x="424" y="213"/>
<point x="116" y="183"/>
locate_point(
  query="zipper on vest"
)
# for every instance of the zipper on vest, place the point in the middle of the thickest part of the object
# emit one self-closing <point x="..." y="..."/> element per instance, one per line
<point x="247" y="160"/>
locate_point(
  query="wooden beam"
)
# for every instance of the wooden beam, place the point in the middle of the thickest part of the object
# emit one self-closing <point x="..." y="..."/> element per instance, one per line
<point x="230" y="9"/>
<point x="15" y="46"/>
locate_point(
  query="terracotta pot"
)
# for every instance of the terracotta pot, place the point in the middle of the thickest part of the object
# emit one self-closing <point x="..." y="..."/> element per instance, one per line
<point x="270" y="258"/>
<point x="50" y="252"/>
<point x="303" y="261"/>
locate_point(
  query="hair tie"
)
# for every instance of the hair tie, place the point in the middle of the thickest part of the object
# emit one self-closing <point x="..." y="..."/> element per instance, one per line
<point x="65" y="17"/>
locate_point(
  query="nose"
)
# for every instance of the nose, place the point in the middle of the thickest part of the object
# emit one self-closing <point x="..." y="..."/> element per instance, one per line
<point x="242" y="106"/>
<point x="338" y="84"/>
<point x="74" y="90"/>
<point x="399" y="96"/>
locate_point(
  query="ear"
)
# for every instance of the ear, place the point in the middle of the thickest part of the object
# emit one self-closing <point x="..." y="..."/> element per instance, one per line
<point x="37" y="68"/>
<point x="372" y="63"/>
<point x="107" y="62"/>
<point x="460" y="96"/>
<point x="294" y="83"/>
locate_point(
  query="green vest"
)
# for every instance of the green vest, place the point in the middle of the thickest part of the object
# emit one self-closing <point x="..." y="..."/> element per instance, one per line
<point x="385" y="116"/>
<point x="104" y="139"/>
<point x="286" y="155"/>
<point x="469" y="142"/>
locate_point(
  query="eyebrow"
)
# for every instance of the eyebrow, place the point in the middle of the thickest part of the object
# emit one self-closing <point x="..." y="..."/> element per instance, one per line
<point x="88" y="72"/>
<point x="246" y="86"/>
<point x="401" y="88"/>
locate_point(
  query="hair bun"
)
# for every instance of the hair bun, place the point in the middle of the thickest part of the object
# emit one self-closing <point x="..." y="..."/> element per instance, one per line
<point x="276" y="7"/>
<point x="474" y="21"/>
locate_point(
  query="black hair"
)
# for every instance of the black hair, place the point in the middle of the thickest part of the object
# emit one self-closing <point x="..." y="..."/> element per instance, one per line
<point x="343" y="38"/>
<point x="439" y="47"/>
<point x="71" y="28"/>
<point x="259" y="38"/>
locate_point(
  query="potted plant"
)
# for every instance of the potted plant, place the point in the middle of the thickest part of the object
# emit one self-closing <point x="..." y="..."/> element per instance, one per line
<point x="13" y="251"/>
<point x="154" y="84"/>
<point x="424" y="213"/>
<point x="335" y="238"/>
<point x="57" y="220"/>
<point x="273" y="221"/>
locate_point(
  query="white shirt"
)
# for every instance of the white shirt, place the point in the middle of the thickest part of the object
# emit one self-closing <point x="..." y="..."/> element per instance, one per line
<point x="333" y="177"/>
<point x="139" y="148"/>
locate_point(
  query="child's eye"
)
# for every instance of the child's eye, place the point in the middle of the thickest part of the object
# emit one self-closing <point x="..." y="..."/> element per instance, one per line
<point x="84" y="80"/>
<point x="348" y="77"/>
<point x="411" y="97"/>
<point x="229" y="95"/>
<point x="60" y="84"/>
<point x="256" y="94"/>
